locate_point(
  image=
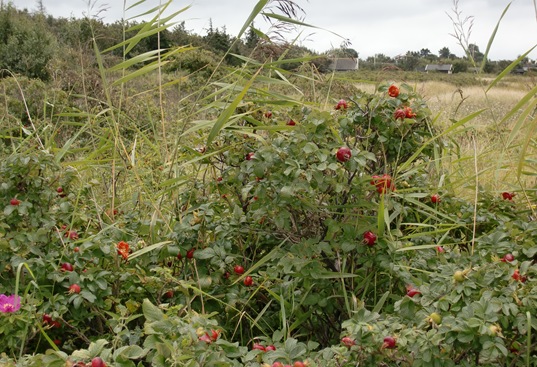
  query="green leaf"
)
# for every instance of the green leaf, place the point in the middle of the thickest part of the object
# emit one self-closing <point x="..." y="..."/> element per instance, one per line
<point x="95" y="348"/>
<point x="148" y="249"/>
<point x="491" y="39"/>
<point x="151" y="312"/>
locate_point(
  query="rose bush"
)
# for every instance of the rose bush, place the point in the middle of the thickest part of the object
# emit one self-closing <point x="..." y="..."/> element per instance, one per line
<point x="316" y="242"/>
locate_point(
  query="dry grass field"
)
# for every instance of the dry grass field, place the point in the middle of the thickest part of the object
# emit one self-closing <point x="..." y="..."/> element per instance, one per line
<point x="482" y="146"/>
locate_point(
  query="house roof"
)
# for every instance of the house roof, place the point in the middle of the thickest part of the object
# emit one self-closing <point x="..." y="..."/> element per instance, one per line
<point x="438" y="67"/>
<point x="344" y="64"/>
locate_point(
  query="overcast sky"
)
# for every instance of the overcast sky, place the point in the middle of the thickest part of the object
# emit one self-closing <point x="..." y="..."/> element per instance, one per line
<point x="391" y="27"/>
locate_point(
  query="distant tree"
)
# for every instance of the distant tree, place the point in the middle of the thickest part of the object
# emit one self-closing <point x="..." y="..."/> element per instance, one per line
<point x="217" y="40"/>
<point x="349" y="52"/>
<point x="26" y="45"/>
<point x="40" y="7"/>
<point x="490" y="67"/>
<point x="425" y="52"/>
<point x="474" y="53"/>
<point x="460" y="66"/>
<point x="410" y="61"/>
<point x="444" y="53"/>
<point x="502" y="64"/>
<point x="180" y="36"/>
<point x="252" y="39"/>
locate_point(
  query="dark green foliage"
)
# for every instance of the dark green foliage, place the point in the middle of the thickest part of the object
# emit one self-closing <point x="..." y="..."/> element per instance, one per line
<point x="26" y="46"/>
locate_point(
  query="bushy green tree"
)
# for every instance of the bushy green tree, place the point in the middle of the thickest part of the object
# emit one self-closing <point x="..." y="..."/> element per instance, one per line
<point x="26" y="45"/>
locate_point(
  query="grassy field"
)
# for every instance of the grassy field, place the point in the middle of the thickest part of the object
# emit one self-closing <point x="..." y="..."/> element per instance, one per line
<point x="485" y="137"/>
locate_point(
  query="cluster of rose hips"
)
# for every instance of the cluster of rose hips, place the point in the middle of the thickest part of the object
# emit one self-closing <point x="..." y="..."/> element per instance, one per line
<point x="518" y="277"/>
<point x="209" y="338"/>
<point x="404" y="113"/>
<point x="383" y="183"/>
<point x="239" y="270"/>
<point x="73" y="288"/>
<point x="400" y="113"/>
<point x="262" y="348"/>
<point x="268" y="115"/>
<point x="296" y="364"/>
<point x="388" y="342"/>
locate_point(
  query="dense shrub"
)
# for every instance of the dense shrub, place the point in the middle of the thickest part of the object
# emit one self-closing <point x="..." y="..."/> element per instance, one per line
<point x="26" y="46"/>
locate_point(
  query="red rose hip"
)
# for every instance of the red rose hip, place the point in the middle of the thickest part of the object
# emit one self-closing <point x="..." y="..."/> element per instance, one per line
<point x="343" y="154"/>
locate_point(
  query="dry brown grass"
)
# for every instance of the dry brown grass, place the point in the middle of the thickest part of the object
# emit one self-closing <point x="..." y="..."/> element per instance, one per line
<point x="482" y="142"/>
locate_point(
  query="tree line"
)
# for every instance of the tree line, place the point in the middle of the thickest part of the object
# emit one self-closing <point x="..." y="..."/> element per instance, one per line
<point x="38" y="45"/>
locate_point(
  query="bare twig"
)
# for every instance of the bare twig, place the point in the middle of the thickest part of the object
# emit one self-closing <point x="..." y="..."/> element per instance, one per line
<point x="462" y="27"/>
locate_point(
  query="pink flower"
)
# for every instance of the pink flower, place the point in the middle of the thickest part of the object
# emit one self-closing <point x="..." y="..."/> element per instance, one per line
<point x="9" y="303"/>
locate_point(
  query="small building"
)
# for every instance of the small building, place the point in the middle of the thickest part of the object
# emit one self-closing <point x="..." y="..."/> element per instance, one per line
<point x="343" y="64"/>
<point x="439" y="68"/>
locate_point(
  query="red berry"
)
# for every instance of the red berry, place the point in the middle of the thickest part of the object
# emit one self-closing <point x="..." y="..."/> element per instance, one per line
<point x="342" y="105"/>
<point x="408" y="113"/>
<point x="508" y="195"/>
<point x="435" y="199"/>
<point x="440" y="249"/>
<point x="205" y="338"/>
<point x="399" y="114"/>
<point x="56" y="324"/>
<point x="268" y="114"/>
<point x="227" y="275"/>
<point x="168" y="294"/>
<point x="343" y="154"/>
<point x="270" y="347"/>
<point x="508" y="258"/>
<point x="516" y="275"/>
<point x="97" y="362"/>
<point x="291" y="122"/>
<point x="59" y="190"/>
<point x="299" y="364"/>
<point x="67" y="267"/>
<point x="190" y="253"/>
<point x="250" y="156"/>
<point x="14" y="202"/>
<point x="214" y="335"/>
<point x="277" y="364"/>
<point x="74" y="288"/>
<point x="238" y="269"/>
<point x="383" y="183"/>
<point x="219" y="179"/>
<point x="76" y="249"/>
<point x="179" y="256"/>
<point x="393" y="91"/>
<point x="259" y="347"/>
<point x="411" y="291"/>
<point x="73" y="235"/>
<point x="248" y="281"/>
<point x="47" y="319"/>
<point x="348" y="342"/>
<point x="58" y="342"/>
<point x="389" y="342"/>
<point x="370" y="238"/>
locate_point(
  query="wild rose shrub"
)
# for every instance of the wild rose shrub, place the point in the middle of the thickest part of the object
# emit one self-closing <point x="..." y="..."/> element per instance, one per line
<point x="274" y="242"/>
